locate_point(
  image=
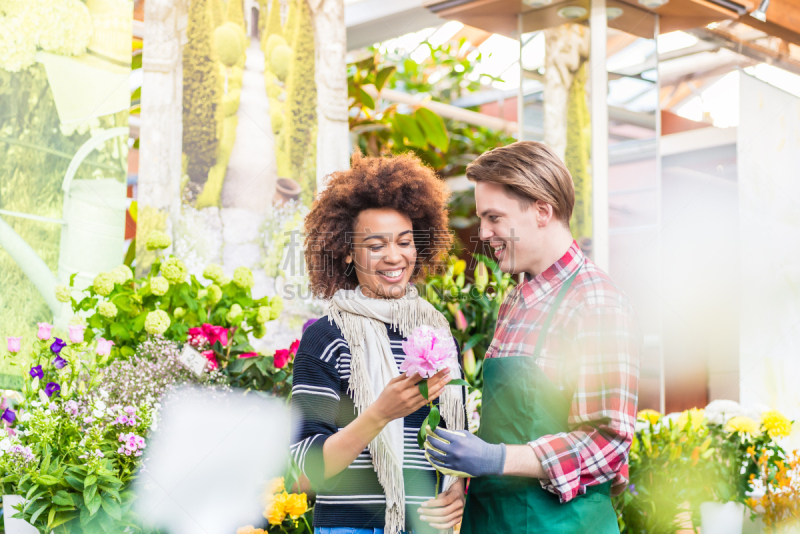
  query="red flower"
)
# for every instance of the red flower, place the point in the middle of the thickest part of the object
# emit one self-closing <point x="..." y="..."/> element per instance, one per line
<point x="248" y="355"/>
<point x="281" y="358"/>
<point x="212" y="359"/>
<point x="294" y="346"/>
<point x="216" y="333"/>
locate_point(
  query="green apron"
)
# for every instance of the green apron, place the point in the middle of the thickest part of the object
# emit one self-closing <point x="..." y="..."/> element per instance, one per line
<point x="520" y="404"/>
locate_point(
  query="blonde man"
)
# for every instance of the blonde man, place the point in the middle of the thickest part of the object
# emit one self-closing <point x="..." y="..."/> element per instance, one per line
<point x="561" y="374"/>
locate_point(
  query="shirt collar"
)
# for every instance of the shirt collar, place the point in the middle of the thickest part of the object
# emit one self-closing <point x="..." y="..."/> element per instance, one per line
<point x="536" y="288"/>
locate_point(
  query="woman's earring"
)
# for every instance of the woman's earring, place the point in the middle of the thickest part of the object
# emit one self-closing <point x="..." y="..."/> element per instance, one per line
<point x="349" y="269"/>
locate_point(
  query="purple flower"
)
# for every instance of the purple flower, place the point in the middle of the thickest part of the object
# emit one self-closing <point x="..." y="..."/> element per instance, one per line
<point x="36" y="372"/>
<point x="9" y="416"/>
<point x="308" y="323"/>
<point x="57" y="345"/>
<point x="130" y="410"/>
<point x="51" y="388"/>
<point x="59" y="362"/>
<point x="632" y="489"/>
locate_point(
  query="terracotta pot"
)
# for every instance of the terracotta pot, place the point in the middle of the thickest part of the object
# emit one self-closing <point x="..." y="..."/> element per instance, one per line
<point x="286" y="189"/>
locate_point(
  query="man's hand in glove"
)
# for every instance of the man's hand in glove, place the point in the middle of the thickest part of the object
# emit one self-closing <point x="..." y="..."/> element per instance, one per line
<point x="462" y="454"/>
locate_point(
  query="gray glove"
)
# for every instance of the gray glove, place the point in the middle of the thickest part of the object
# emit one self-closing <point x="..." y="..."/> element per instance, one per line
<point x="462" y="454"/>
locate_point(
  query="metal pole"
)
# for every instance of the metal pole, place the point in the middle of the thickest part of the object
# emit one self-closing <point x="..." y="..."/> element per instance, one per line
<point x="599" y="104"/>
<point x="662" y="399"/>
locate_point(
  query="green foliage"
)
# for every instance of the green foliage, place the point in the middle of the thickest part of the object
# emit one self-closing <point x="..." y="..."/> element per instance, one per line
<point x="135" y="300"/>
<point x="212" y="190"/>
<point x="471" y="308"/>
<point x="274" y="22"/>
<point x="577" y="154"/>
<point x="445" y="145"/>
<point x="276" y="115"/>
<point x="217" y="13"/>
<point x="300" y="129"/>
<point x="235" y="13"/>
<point x="259" y="373"/>
<point x="279" y="60"/>
<point x="272" y="42"/>
<point x="230" y="105"/>
<point x="228" y="44"/>
<point x="201" y="94"/>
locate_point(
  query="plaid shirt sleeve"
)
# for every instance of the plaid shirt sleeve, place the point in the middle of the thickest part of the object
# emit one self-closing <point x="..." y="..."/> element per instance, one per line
<point x="603" y="412"/>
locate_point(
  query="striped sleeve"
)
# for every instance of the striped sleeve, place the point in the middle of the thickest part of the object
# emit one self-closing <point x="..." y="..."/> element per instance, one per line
<point x="315" y="402"/>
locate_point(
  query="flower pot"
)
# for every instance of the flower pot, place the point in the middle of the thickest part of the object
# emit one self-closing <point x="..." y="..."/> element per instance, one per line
<point x="722" y="518"/>
<point x="286" y="189"/>
<point x="15" y="526"/>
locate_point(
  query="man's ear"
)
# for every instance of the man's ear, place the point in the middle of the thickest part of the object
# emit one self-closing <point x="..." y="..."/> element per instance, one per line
<point x="544" y="213"/>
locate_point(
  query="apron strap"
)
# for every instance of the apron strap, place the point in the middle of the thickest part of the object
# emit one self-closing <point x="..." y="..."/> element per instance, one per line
<point x="553" y="309"/>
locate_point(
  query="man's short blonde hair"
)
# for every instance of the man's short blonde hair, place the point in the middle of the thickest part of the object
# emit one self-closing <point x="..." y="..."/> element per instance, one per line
<point x="529" y="171"/>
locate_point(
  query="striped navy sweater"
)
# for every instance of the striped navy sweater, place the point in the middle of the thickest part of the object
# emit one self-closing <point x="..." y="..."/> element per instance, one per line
<point x="321" y="407"/>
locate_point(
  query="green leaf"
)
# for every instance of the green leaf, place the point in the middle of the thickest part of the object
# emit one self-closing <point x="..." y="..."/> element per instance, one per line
<point x="138" y="323"/>
<point x="90" y="480"/>
<point x="383" y="75"/>
<point x="366" y="100"/>
<point x="423" y="388"/>
<point x="72" y="279"/>
<point x="407" y="127"/>
<point x="89" y="493"/>
<point x="112" y="508"/>
<point x="64" y="519"/>
<point x="421" y="435"/>
<point x="47" y="480"/>
<point x="434" y="417"/>
<point x="74" y="482"/>
<point x="117" y="330"/>
<point x="37" y="513"/>
<point x="474" y="340"/>
<point x="63" y="498"/>
<point x="433" y="127"/>
<point x="458" y="382"/>
<point x="94" y="503"/>
<point x="127" y="351"/>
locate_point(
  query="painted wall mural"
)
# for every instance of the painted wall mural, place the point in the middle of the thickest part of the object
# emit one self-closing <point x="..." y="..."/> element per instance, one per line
<point x="64" y="104"/>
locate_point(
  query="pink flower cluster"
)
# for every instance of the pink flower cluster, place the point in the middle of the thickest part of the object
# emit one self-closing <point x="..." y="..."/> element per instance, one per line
<point x="282" y="356"/>
<point x="127" y="418"/>
<point x="428" y="351"/>
<point x="208" y="334"/>
<point x="132" y="444"/>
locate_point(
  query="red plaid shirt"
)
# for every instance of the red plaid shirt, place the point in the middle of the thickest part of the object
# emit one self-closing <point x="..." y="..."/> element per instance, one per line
<point x="592" y="355"/>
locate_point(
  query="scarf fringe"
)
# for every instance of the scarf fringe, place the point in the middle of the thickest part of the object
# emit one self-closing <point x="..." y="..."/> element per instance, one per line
<point x="406" y="314"/>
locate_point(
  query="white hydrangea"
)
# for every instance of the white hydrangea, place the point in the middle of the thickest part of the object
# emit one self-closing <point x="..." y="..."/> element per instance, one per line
<point x="719" y="412"/>
<point x="58" y="26"/>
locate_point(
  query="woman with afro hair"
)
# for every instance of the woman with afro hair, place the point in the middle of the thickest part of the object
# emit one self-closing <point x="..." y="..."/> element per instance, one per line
<point x="378" y="227"/>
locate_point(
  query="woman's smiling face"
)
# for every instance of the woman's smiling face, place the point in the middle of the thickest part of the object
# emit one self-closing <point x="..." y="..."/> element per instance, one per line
<point x="383" y="252"/>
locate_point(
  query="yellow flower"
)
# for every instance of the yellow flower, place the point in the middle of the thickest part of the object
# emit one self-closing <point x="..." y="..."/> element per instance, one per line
<point x="744" y="425"/>
<point x="696" y="415"/>
<point x="276" y="485"/>
<point x="296" y="505"/>
<point x="249" y="530"/>
<point x="649" y="416"/>
<point x="776" y="424"/>
<point x="276" y="510"/>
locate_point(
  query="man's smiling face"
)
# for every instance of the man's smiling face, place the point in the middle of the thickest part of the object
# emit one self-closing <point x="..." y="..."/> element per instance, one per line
<point x="510" y="230"/>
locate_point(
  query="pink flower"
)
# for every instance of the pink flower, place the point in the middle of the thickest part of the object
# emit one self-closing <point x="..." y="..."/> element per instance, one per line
<point x="212" y="359"/>
<point x="216" y="333"/>
<point x="14" y="344"/>
<point x="248" y="355"/>
<point x="428" y="351"/>
<point x="103" y="346"/>
<point x="294" y="346"/>
<point x="76" y="333"/>
<point x="281" y="358"/>
<point x="44" y="331"/>
<point x="196" y="337"/>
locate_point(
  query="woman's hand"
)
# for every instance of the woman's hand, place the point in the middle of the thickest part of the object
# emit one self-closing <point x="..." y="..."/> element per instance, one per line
<point x="401" y="397"/>
<point x="446" y="510"/>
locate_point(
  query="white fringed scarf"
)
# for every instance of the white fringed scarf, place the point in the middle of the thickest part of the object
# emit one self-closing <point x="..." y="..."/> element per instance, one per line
<point x="372" y="365"/>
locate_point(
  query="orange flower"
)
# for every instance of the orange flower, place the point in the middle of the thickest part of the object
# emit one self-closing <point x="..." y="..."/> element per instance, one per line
<point x="249" y="530"/>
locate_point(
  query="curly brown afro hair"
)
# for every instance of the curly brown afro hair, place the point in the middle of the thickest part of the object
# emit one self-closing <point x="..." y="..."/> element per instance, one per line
<point x="402" y="183"/>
